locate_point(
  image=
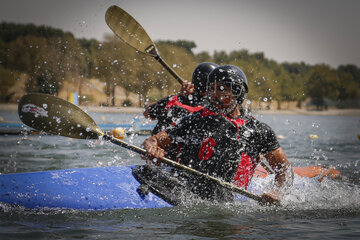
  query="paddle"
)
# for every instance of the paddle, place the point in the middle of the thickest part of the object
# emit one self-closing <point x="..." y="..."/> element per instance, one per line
<point x="57" y="116"/>
<point x="131" y="32"/>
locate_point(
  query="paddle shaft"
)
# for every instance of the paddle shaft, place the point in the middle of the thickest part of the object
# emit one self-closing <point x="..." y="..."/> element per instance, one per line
<point x="267" y="168"/>
<point x="183" y="167"/>
<point x="169" y="69"/>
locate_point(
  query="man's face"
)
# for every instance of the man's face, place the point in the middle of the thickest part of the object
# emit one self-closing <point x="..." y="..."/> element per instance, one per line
<point x="222" y="100"/>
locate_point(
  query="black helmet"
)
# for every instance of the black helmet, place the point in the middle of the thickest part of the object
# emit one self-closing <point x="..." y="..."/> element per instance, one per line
<point x="232" y="76"/>
<point x="200" y="75"/>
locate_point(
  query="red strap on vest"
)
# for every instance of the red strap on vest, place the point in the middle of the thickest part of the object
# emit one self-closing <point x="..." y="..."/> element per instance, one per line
<point x="173" y="101"/>
<point x="237" y="122"/>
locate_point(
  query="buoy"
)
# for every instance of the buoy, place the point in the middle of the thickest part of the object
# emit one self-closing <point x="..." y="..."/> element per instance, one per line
<point x="118" y="133"/>
<point x="359" y="136"/>
<point x="280" y="137"/>
<point x="313" y="136"/>
<point x="102" y="118"/>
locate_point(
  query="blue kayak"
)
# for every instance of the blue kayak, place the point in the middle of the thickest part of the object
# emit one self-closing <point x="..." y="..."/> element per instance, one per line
<point x="104" y="188"/>
<point x="97" y="188"/>
<point x="117" y="187"/>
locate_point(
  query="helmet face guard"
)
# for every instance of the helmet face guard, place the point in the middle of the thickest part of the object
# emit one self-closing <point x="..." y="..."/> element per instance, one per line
<point x="223" y="96"/>
<point x="232" y="77"/>
<point x="238" y="90"/>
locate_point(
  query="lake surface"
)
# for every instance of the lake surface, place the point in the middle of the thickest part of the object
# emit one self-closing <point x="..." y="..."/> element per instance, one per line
<point x="328" y="210"/>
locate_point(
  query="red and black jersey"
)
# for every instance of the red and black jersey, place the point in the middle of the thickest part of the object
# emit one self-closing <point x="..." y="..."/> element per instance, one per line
<point x="255" y="138"/>
<point x="207" y="143"/>
<point x="222" y="147"/>
<point x="169" y="110"/>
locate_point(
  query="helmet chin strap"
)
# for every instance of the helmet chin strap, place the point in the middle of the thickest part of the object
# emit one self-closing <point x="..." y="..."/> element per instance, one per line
<point x="240" y="96"/>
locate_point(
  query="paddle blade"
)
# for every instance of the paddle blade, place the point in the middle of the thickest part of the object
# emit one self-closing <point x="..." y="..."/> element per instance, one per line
<point x="57" y="116"/>
<point x="129" y="30"/>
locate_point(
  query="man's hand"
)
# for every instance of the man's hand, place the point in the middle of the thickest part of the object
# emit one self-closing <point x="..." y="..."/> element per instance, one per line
<point x="146" y="112"/>
<point x="270" y="199"/>
<point x="155" y="145"/>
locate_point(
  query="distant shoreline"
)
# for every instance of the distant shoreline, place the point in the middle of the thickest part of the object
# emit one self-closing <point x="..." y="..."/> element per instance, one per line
<point x="330" y="112"/>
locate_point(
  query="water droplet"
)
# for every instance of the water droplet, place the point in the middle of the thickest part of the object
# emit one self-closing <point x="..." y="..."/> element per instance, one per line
<point x="58" y="120"/>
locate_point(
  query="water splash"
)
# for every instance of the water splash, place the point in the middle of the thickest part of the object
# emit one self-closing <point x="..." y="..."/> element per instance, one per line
<point x="308" y="194"/>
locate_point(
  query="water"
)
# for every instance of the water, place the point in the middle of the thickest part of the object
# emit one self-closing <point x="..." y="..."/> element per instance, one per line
<point x="330" y="210"/>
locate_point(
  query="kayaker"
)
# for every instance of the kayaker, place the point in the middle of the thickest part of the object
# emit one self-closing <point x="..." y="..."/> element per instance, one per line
<point x="169" y="110"/>
<point x="222" y="141"/>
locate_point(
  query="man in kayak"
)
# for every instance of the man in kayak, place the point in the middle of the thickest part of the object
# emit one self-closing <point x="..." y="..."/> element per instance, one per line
<point x="169" y="110"/>
<point x="222" y="141"/>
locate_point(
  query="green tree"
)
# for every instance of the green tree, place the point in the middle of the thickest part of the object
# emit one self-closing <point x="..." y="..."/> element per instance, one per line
<point x="11" y="31"/>
<point x="181" y="61"/>
<point x="73" y="65"/>
<point x="204" y="57"/>
<point x="187" y="45"/>
<point x="238" y="55"/>
<point x="221" y="57"/>
<point x="114" y="64"/>
<point x="22" y="52"/>
<point x="7" y="80"/>
<point x="57" y="60"/>
<point x="298" y="75"/>
<point x="349" y="84"/>
<point x="323" y="83"/>
<point x="46" y="68"/>
<point x="91" y="49"/>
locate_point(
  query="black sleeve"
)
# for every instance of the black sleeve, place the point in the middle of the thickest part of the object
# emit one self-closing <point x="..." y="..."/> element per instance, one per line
<point x="188" y="100"/>
<point x="267" y="138"/>
<point x="178" y="133"/>
<point x="156" y="110"/>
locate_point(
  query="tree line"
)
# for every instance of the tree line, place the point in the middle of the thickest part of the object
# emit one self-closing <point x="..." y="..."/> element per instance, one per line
<point x="50" y="57"/>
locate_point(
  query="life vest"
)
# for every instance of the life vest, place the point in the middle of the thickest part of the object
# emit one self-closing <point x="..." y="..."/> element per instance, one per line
<point x="208" y="143"/>
<point x="246" y="167"/>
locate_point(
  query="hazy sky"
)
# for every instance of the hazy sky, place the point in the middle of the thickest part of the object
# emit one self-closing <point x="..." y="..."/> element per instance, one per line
<point x="313" y="31"/>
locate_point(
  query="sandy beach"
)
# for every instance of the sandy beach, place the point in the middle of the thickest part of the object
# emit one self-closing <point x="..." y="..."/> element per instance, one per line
<point x="329" y="112"/>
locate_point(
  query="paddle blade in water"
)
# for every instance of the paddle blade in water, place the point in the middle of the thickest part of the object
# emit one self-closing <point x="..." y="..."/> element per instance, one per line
<point x="56" y="116"/>
<point x="129" y="30"/>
